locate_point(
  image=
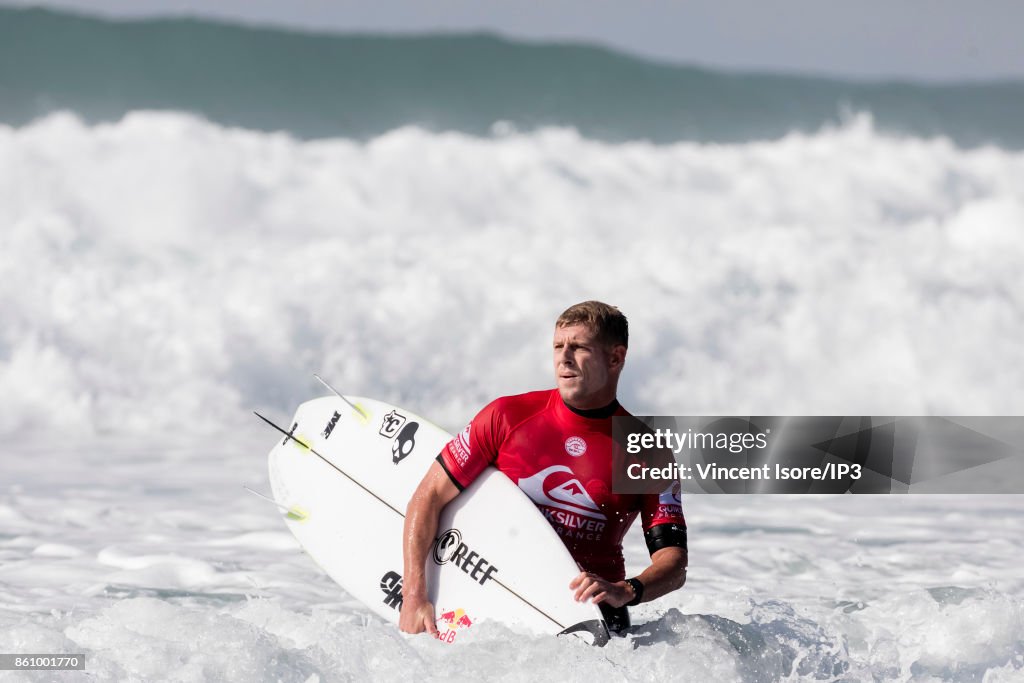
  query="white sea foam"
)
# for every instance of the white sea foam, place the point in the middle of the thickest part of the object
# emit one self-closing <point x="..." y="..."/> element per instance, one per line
<point x="162" y="275"/>
<point x="163" y="270"/>
<point x="163" y="584"/>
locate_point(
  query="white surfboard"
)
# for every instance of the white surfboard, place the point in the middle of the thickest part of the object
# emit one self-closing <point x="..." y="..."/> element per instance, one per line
<point x="346" y="475"/>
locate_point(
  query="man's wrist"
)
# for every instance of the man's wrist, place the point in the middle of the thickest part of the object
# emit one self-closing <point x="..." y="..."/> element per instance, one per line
<point x="638" y="591"/>
<point x="414" y="591"/>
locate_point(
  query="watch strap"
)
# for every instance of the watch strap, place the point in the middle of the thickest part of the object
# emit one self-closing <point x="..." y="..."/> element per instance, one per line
<point x="638" y="591"/>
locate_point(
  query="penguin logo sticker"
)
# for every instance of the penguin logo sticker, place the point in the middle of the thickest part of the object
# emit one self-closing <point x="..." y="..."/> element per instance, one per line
<point x="403" y="444"/>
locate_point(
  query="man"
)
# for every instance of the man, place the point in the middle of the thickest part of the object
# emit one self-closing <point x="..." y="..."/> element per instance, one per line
<point x="557" y="446"/>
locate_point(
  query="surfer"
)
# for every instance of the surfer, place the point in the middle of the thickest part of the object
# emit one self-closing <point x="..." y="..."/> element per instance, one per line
<point x="557" y="446"/>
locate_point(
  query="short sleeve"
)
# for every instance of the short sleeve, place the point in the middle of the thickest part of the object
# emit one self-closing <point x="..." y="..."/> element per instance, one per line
<point x="663" y="521"/>
<point x="474" y="448"/>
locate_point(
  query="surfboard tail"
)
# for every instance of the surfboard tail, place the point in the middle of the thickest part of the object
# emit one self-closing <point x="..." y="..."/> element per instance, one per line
<point x="595" y="631"/>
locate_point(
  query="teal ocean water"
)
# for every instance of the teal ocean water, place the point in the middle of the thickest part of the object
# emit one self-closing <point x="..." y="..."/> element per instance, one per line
<point x="359" y="86"/>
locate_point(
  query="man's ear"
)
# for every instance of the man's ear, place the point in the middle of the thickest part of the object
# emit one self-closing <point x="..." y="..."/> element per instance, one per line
<point x="617" y="356"/>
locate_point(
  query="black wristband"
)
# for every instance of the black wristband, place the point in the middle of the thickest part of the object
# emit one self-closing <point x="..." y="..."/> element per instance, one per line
<point x="638" y="592"/>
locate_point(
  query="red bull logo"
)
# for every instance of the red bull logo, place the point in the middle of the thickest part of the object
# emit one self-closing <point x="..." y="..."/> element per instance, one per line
<point x="454" y="620"/>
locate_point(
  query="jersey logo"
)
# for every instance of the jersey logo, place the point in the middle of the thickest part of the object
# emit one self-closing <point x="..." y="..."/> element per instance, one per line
<point x="671" y="496"/>
<point x="567" y="495"/>
<point x="460" y="446"/>
<point x="670" y="503"/>
<point x="575" y="446"/>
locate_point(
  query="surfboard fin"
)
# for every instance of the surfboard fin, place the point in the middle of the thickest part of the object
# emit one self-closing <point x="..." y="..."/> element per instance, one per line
<point x="596" y="628"/>
<point x="294" y="512"/>
<point x="363" y="415"/>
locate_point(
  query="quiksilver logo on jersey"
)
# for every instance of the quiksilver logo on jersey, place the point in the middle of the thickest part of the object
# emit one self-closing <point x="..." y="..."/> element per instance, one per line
<point x="552" y="488"/>
<point x="670" y="502"/>
<point x="460" y="445"/>
<point x="449" y="548"/>
<point x="672" y="495"/>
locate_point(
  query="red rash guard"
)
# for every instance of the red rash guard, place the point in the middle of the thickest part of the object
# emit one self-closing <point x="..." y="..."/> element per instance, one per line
<point x="563" y="462"/>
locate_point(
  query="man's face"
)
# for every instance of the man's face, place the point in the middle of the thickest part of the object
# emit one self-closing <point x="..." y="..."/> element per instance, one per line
<point x="586" y="371"/>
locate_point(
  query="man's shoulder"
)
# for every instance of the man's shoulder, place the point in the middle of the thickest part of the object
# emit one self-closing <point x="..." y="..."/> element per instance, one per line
<point x="522" y="405"/>
<point x="504" y="414"/>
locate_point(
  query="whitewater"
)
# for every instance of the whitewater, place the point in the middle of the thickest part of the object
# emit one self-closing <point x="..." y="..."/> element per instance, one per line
<point x="162" y="275"/>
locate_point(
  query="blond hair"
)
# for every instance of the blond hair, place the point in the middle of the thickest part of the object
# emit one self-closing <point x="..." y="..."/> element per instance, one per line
<point x="607" y="322"/>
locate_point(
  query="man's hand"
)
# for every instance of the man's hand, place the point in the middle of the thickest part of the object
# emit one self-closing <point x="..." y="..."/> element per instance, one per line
<point x="417" y="616"/>
<point x="592" y="587"/>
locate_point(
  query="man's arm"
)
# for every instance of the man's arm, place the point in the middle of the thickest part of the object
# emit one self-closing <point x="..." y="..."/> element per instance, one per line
<point x="666" y="574"/>
<point x="421" y="515"/>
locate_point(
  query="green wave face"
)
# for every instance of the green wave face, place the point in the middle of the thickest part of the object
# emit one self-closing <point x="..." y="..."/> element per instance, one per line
<point x="319" y="85"/>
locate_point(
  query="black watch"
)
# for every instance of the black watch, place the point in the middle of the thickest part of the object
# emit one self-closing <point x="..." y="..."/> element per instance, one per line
<point x="638" y="592"/>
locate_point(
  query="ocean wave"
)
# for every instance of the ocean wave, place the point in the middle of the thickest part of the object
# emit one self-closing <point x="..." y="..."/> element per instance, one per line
<point x="164" y="270"/>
